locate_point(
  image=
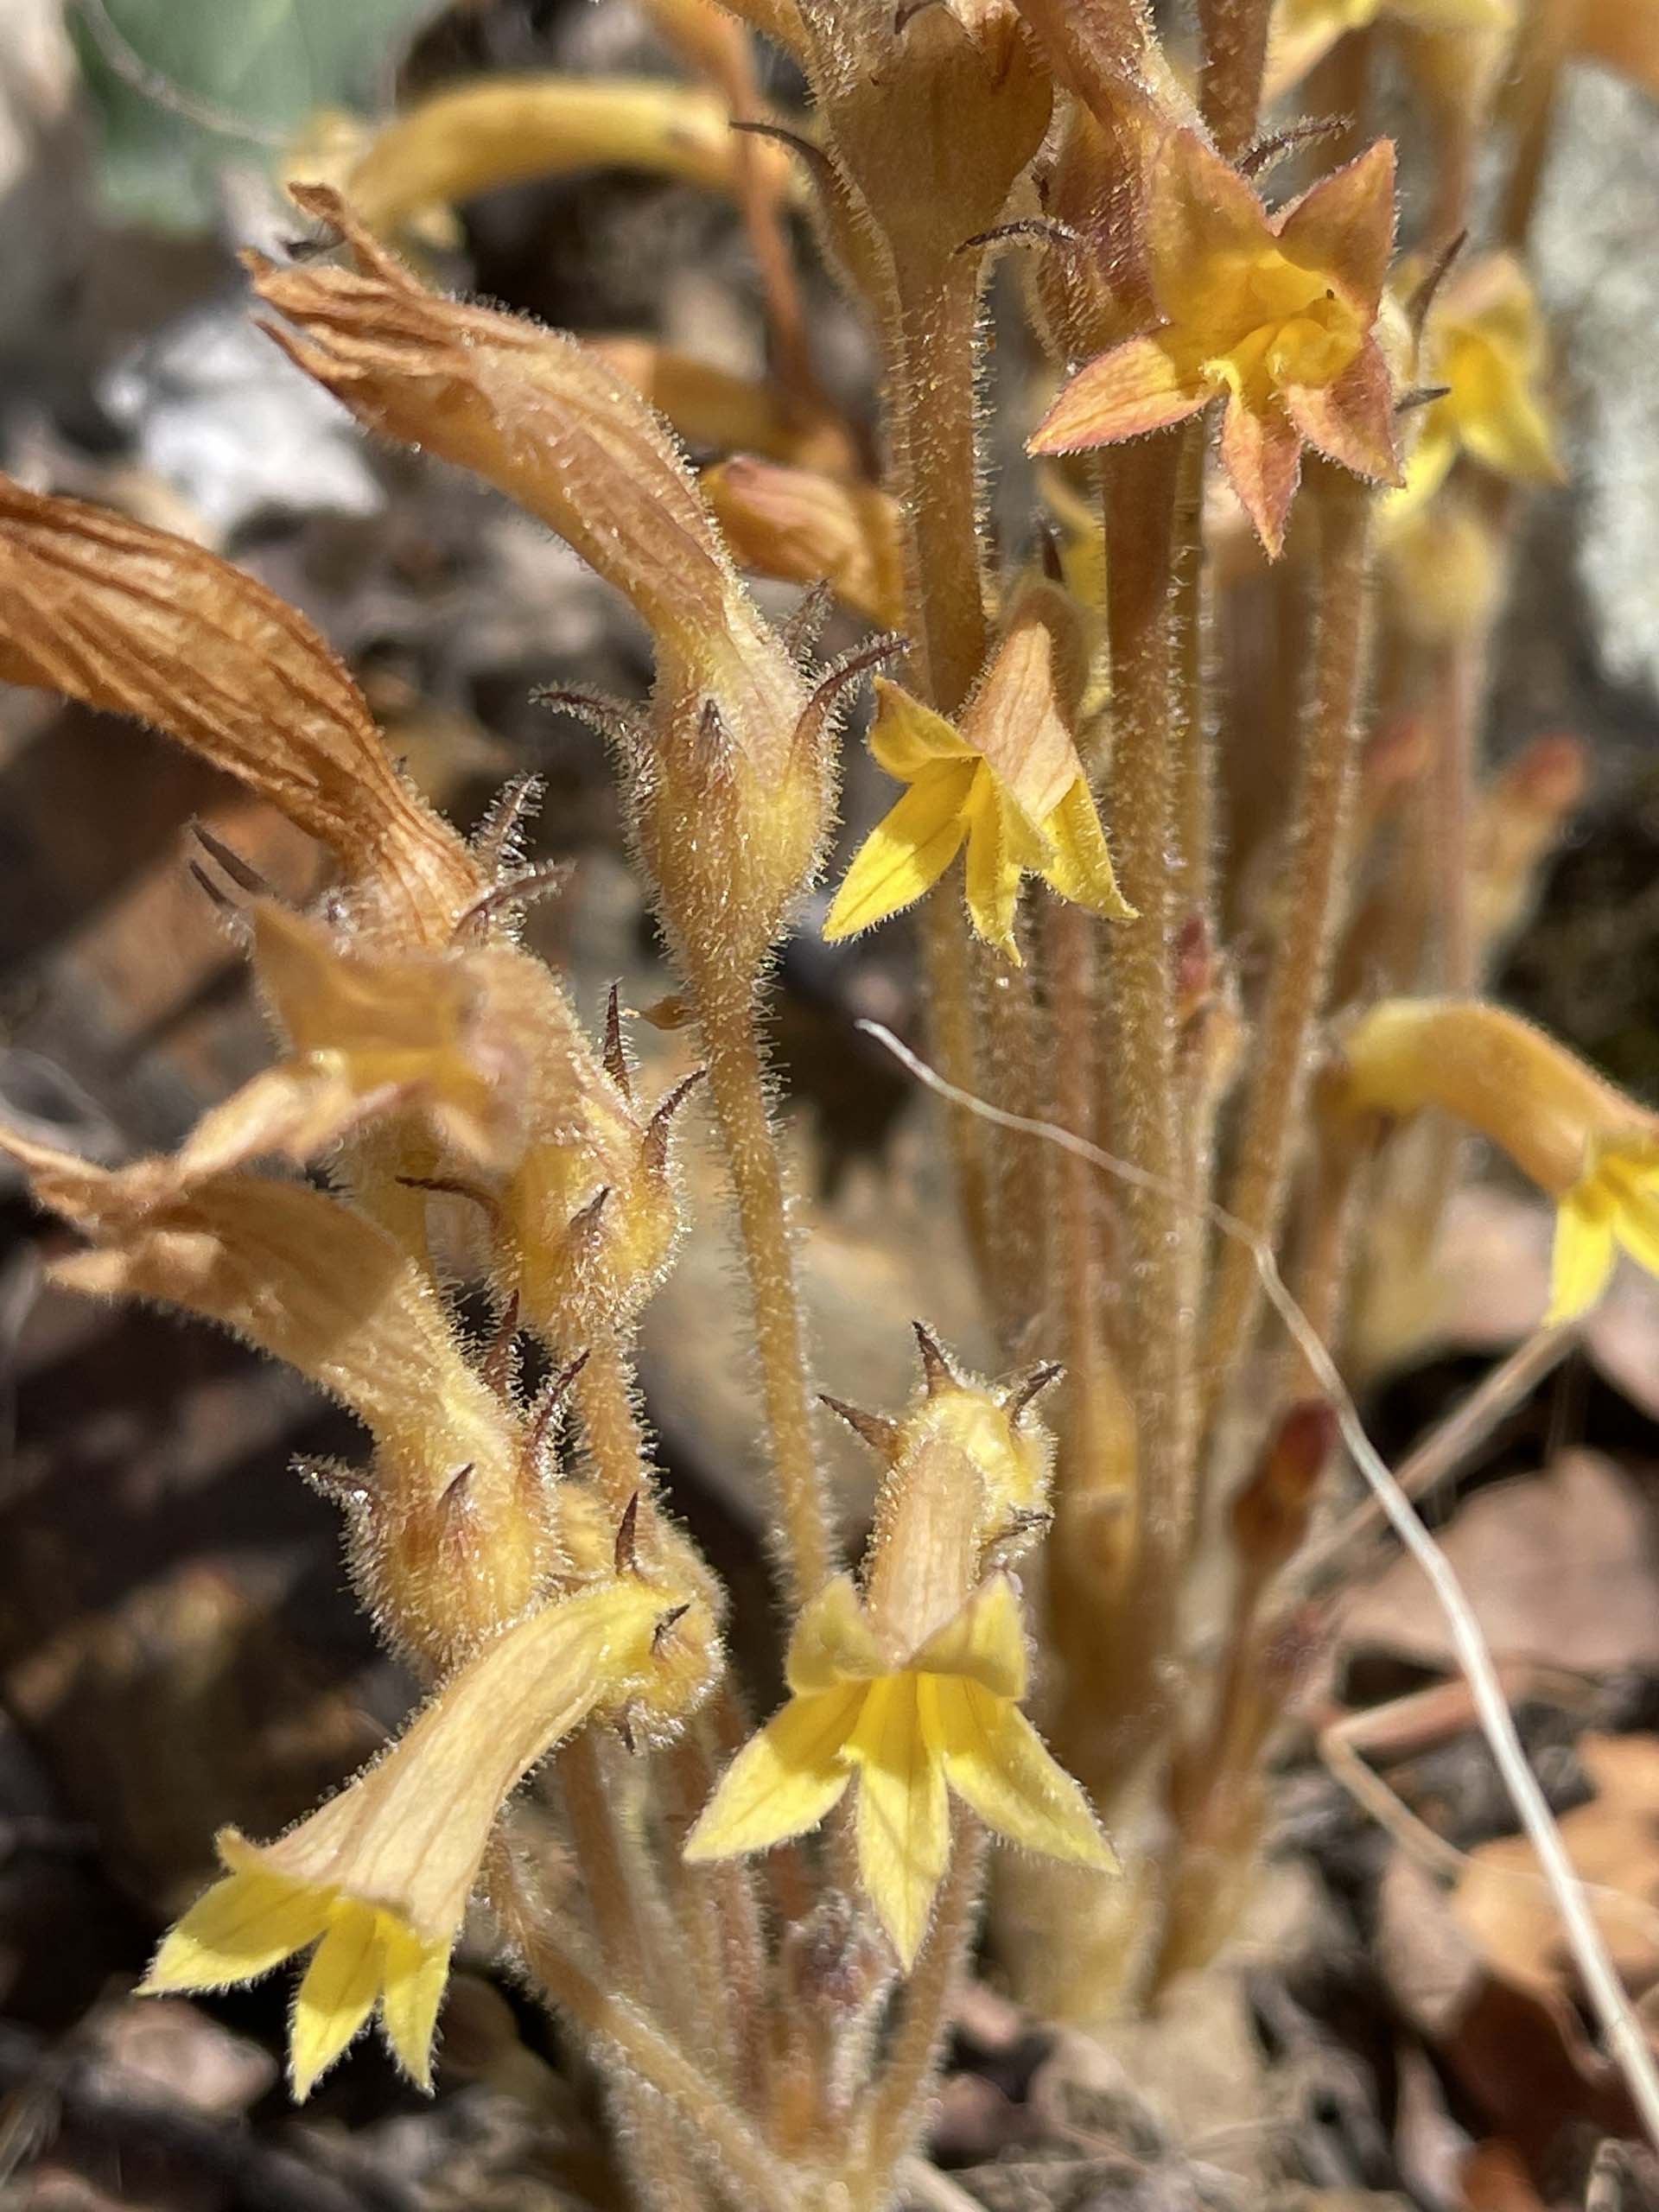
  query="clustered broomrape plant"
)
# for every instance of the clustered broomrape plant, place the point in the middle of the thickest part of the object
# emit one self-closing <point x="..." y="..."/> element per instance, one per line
<point x="1211" y="704"/>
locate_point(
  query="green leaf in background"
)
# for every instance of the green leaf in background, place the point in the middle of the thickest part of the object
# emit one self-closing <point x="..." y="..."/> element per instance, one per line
<point x="259" y="66"/>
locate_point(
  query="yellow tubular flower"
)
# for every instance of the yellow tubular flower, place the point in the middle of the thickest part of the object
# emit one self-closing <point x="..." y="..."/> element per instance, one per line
<point x="1008" y="785"/>
<point x="1304" y="31"/>
<point x="1586" y="1145"/>
<point x="379" y="1877"/>
<point x="1276" y="314"/>
<point x="947" y="1719"/>
<point x="1486" y="344"/>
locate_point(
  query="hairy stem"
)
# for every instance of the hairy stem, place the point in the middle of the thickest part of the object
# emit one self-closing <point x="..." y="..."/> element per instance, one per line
<point x="1017" y="1167"/>
<point x="931" y="344"/>
<point x="1142" y="483"/>
<point x="717" y="1907"/>
<point x="610" y="1422"/>
<point x="1235" y="34"/>
<point x="1314" y="869"/>
<point x="1543" y="46"/>
<point x="553" y="1963"/>
<point x="608" y="1859"/>
<point x="1095" y="1462"/>
<point x="898" y="2109"/>
<point x="738" y="1083"/>
<point x="932" y="420"/>
<point x="1195" y="794"/>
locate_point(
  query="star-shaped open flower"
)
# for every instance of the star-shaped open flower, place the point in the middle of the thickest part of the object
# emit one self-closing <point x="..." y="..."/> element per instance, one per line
<point x="378" y="1879"/>
<point x="1612" y="1208"/>
<point x="1304" y="31"/>
<point x="1276" y="313"/>
<point x="1008" y="785"/>
<point x="946" y="1719"/>
<point x="1485" y="345"/>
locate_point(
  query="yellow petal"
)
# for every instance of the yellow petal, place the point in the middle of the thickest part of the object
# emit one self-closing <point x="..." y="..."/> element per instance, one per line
<point x="833" y="1644"/>
<point x="1636" y="1222"/>
<point x="907" y="737"/>
<point x="993" y="876"/>
<point x="985" y="1642"/>
<point x="238" y="1929"/>
<point x="904" y="1816"/>
<point x="336" y="1996"/>
<point x="996" y="1761"/>
<point x="905" y="854"/>
<point x="1427" y="465"/>
<point x="1146" y="384"/>
<point x="416" y="1975"/>
<point x="1511" y="435"/>
<point x="1581" y="1264"/>
<point x="784" y="1780"/>
<point x="1021" y="719"/>
<point x="1081" y="868"/>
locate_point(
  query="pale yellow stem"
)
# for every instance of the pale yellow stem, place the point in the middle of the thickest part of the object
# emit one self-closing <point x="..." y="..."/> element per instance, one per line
<point x="738" y="1083"/>
<point x="888" y="2131"/>
<point x="1142" y="483"/>
<point x="1315" y="874"/>
<point x="552" y="1960"/>
<point x="610" y="1421"/>
<point x="931" y="339"/>
<point x="1012" y="1282"/>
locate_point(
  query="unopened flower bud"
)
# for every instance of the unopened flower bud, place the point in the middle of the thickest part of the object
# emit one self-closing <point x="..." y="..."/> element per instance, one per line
<point x="911" y="1686"/>
<point x="1270" y="1514"/>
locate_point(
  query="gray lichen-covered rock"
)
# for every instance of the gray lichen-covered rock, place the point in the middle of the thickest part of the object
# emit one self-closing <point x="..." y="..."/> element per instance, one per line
<point x="1600" y="279"/>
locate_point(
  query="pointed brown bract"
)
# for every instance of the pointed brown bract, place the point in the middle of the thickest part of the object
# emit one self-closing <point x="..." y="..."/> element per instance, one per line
<point x="1276" y="314"/>
<point x="130" y="619"/>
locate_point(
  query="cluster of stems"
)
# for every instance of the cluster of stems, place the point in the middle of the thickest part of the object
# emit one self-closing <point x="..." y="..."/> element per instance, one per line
<point x="1208" y="875"/>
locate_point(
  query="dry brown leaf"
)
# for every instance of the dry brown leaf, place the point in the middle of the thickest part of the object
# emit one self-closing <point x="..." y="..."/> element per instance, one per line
<point x="1494" y="2179"/>
<point x="1506" y="1910"/>
<point x="1559" y="1567"/>
<point x="1520" y="2055"/>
